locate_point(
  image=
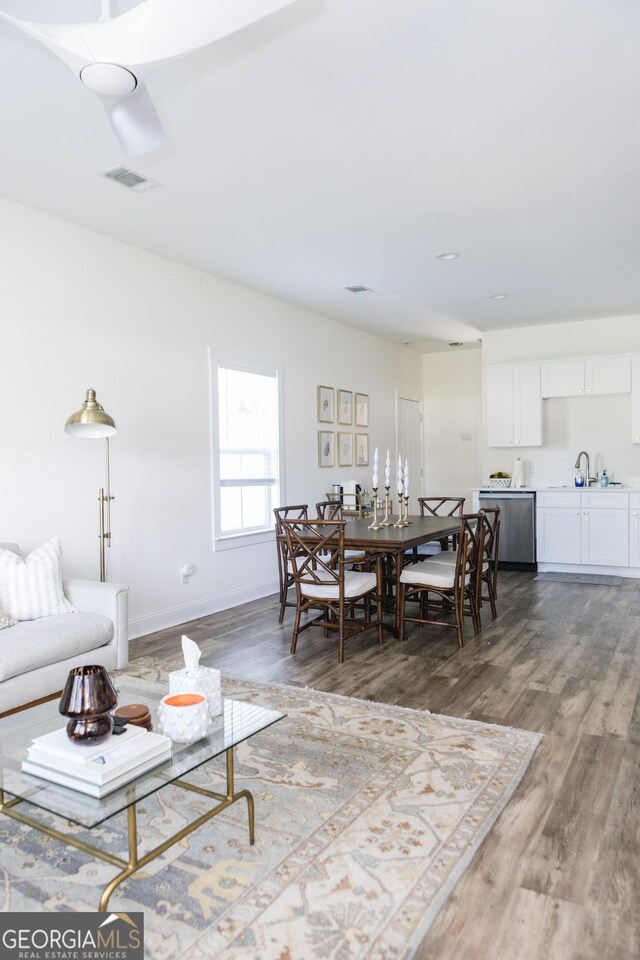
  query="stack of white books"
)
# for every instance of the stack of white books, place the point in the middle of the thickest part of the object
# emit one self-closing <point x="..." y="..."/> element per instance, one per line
<point x="99" y="769"/>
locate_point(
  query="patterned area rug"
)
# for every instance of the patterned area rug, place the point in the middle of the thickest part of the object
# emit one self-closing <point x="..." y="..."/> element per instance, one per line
<point x="366" y="817"/>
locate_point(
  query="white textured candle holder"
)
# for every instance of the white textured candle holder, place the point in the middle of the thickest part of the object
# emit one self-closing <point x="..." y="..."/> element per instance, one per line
<point x="184" y="717"/>
<point x="199" y="680"/>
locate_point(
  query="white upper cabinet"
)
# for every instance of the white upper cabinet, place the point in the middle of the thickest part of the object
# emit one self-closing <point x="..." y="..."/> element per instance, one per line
<point x="635" y="398"/>
<point x="586" y="376"/>
<point x="513" y="404"/>
<point x="562" y="378"/>
<point x="607" y="375"/>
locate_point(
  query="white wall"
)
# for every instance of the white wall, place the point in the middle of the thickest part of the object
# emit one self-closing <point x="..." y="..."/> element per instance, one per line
<point x="581" y="338"/>
<point x="599" y="425"/>
<point x="80" y="310"/>
<point x="452" y="407"/>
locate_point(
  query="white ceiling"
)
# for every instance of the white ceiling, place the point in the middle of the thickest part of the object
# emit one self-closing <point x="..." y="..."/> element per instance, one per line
<point x="351" y="141"/>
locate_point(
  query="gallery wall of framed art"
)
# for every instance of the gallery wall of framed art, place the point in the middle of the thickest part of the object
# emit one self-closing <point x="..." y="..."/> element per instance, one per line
<point x="344" y="408"/>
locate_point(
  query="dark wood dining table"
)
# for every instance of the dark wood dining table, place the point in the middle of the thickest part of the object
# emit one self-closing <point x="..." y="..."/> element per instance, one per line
<point x="395" y="541"/>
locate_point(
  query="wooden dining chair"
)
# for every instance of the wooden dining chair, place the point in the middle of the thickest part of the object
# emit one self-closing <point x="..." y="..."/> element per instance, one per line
<point x="333" y="510"/>
<point x="323" y="582"/>
<point x="436" y="507"/>
<point x="445" y="592"/>
<point x="487" y="572"/>
<point x="491" y="545"/>
<point x="298" y="511"/>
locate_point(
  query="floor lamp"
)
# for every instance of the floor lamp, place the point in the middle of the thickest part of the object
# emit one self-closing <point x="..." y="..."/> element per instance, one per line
<point x="91" y="422"/>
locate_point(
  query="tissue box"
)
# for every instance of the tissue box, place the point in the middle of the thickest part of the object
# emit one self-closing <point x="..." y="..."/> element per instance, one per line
<point x="199" y="680"/>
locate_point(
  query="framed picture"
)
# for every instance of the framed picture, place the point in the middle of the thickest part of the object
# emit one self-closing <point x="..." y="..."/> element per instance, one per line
<point x="326" y="448"/>
<point x="345" y="406"/>
<point x="326" y="404"/>
<point x="362" y="449"/>
<point x="345" y="449"/>
<point x="362" y="409"/>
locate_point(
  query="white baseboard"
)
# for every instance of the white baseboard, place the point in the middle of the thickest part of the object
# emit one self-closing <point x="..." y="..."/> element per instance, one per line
<point x="631" y="573"/>
<point x="141" y="626"/>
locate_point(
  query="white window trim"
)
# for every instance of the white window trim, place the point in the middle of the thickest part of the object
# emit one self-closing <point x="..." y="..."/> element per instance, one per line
<point x="259" y="365"/>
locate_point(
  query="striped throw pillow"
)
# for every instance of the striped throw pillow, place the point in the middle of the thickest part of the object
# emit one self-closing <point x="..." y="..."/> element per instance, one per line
<point x="6" y="621"/>
<point x="32" y="588"/>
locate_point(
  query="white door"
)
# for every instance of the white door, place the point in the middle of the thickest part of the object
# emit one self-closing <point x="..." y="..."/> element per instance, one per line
<point x="409" y="432"/>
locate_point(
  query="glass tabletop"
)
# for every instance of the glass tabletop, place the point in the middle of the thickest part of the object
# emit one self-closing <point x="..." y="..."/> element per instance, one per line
<point x="237" y="722"/>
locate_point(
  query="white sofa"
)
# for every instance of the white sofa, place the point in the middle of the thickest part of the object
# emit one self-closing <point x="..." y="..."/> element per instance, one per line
<point x="37" y="655"/>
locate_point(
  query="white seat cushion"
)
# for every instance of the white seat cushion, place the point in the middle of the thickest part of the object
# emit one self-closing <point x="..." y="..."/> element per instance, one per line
<point x="447" y="557"/>
<point x="353" y="556"/>
<point x="428" y="549"/>
<point x="355" y="585"/>
<point x="37" y="643"/>
<point x="430" y="573"/>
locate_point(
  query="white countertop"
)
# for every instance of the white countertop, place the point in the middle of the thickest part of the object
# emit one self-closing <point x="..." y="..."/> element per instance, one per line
<point x="533" y="488"/>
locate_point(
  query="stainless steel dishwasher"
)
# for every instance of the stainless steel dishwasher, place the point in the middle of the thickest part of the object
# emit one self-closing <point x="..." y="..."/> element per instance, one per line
<point x="517" y="547"/>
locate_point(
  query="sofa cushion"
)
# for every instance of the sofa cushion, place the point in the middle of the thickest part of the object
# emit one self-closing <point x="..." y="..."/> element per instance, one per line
<point x="32" y="588"/>
<point x="37" y="643"/>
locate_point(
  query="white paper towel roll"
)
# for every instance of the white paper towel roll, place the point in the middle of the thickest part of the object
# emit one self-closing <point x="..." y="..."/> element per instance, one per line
<point x="517" y="473"/>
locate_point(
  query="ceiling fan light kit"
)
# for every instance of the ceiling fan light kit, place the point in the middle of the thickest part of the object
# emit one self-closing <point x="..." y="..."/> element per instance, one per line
<point x="108" y="79"/>
<point x="113" y="55"/>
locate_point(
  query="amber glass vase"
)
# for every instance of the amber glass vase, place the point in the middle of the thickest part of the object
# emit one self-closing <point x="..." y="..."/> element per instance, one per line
<point x="87" y="698"/>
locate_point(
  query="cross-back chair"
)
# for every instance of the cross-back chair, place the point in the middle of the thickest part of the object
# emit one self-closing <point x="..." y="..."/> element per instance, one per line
<point x="491" y="544"/>
<point x="298" y="511"/>
<point x="436" y="507"/>
<point x="323" y="582"/>
<point x="487" y="573"/>
<point x="442" y="507"/>
<point x="333" y="509"/>
<point x="446" y="591"/>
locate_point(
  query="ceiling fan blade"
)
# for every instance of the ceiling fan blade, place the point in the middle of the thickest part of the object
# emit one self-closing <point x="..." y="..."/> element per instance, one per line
<point x="154" y="31"/>
<point x="62" y="39"/>
<point x="135" y="122"/>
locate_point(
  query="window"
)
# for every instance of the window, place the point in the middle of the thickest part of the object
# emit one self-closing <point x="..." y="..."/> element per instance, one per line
<point x="247" y="449"/>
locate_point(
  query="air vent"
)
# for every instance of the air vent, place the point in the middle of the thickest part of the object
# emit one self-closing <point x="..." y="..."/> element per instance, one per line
<point x="359" y="288"/>
<point x="129" y="179"/>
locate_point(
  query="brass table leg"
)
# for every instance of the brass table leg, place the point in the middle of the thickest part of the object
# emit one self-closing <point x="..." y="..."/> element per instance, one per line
<point x="134" y="863"/>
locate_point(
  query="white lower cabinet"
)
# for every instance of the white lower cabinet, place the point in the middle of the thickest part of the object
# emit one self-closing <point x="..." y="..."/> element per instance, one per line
<point x="605" y="537"/>
<point x="558" y="535"/>
<point x="634" y="530"/>
<point x="581" y="533"/>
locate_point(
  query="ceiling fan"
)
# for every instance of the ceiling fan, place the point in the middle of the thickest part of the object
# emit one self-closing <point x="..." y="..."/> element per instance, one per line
<point x="113" y="55"/>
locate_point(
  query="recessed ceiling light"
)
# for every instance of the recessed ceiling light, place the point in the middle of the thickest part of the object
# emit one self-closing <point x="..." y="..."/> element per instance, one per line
<point x="359" y="288"/>
<point x="456" y="343"/>
<point x="447" y="256"/>
<point x="499" y="296"/>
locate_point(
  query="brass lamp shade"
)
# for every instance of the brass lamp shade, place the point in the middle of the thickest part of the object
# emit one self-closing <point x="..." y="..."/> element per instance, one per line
<point x="87" y="698"/>
<point x="90" y="420"/>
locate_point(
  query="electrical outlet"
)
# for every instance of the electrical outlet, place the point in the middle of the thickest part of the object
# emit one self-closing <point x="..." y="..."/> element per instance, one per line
<point x="186" y="571"/>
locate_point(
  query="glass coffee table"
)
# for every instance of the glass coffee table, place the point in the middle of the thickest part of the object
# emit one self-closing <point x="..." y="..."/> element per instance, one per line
<point x="238" y="722"/>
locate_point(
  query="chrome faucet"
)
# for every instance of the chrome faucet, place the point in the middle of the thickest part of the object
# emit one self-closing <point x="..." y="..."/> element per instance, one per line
<point x="589" y="478"/>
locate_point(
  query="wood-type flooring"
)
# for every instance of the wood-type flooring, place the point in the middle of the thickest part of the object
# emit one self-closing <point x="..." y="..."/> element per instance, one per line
<point x="558" y="877"/>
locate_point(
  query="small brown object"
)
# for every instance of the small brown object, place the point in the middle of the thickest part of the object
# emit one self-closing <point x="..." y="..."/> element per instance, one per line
<point x="137" y="714"/>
